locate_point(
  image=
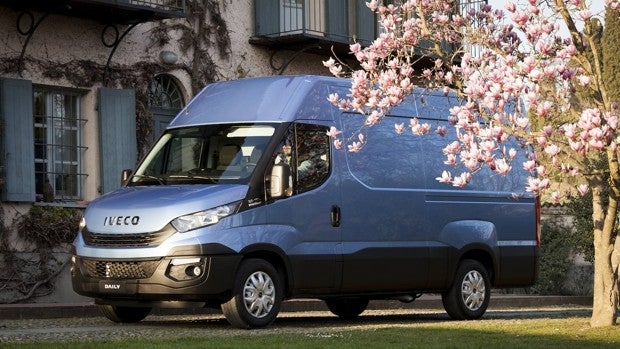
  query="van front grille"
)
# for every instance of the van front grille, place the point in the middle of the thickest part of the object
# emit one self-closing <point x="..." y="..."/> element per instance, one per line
<point x="127" y="240"/>
<point x="119" y="269"/>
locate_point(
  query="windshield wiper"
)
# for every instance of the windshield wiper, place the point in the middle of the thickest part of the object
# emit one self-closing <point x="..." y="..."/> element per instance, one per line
<point x="191" y="174"/>
<point x="160" y="180"/>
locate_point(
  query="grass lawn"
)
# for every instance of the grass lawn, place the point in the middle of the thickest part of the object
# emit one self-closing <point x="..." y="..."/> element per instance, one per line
<point x="568" y="332"/>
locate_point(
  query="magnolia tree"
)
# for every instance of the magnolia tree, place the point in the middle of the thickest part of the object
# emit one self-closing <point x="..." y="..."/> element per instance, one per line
<point x="540" y="55"/>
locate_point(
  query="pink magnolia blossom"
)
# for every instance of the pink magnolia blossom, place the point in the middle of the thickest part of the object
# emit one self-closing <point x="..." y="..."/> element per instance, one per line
<point x="337" y="143"/>
<point x="355" y="147"/>
<point x="529" y="165"/>
<point x="333" y="132"/>
<point x="450" y="160"/>
<point x="555" y="197"/>
<point x="372" y="5"/>
<point x="446" y="177"/>
<point x="333" y="98"/>
<point x="502" y="166"/>
<point x="512" y="153"/>
<point x="583" y="189"/>
<point x="417" y="128"/>
<point x="441" y="131"/>
<point x="585" y="14"/>
<point x="536" y="185"/>
<point x="452" y="148"/>
<point x="462" y="180"/>
<point x="552" y="150"/>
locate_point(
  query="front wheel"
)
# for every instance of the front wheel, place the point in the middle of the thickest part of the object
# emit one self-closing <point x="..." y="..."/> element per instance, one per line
<point x="468" y="298"/>
<point x="257" y="295"/>
<point x="123" y="314"/>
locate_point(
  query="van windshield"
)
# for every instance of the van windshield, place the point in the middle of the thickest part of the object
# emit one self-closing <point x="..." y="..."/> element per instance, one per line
<point x="205" y="155"/>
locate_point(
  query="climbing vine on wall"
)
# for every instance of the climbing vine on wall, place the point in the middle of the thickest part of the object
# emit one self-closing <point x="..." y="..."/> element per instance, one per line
<point x="29" y="270"/>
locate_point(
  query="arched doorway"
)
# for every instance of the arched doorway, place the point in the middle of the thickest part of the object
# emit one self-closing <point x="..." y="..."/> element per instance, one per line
<point x="165" y="101"/>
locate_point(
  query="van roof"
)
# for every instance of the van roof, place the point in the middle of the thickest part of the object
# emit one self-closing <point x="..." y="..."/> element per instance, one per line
<point x="262" y="99"/>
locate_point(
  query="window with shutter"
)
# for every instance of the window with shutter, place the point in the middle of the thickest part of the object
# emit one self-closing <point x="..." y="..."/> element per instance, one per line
<point x="16" y="141"/>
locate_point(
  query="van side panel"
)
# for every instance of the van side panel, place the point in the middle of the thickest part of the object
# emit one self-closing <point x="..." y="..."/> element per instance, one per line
<point x="384" y="239"/>
<point x="385" y="233"/>
<point x="410" y="231"/>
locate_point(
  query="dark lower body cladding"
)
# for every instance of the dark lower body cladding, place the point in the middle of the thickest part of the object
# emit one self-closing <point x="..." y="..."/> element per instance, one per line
<point x="150" y="281"/>
<point x="518" y="266"/>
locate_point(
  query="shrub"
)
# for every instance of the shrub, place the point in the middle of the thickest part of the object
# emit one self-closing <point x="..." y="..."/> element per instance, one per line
<point x="554" y="262"/>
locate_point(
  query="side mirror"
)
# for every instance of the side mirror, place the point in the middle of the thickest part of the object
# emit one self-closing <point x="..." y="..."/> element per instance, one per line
<point x="125" y="175"/>
<point x="280" y="179"/>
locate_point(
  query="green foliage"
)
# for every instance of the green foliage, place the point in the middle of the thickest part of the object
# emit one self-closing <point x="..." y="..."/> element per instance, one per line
<point x="554" y="262"/>
<point x="581" y="237"/>
<point x="49" y="226"/>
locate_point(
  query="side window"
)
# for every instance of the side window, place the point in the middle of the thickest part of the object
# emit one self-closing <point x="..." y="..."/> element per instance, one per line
<point x="306" y="148"/>
<point x="313" y="157"/>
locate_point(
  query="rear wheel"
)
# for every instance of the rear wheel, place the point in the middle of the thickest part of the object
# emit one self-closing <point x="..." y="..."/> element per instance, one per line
<point x="257" y="295"/>
<point x="347" y="308"/>
<point x="124" y="314"/>
<point x="468" y="298"/>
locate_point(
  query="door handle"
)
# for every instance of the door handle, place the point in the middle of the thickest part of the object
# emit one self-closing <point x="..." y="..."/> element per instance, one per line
<point x="335" y="214"/>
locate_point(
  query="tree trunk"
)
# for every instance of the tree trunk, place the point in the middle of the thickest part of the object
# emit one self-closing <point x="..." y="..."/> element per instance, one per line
<point x="604" y="217"/>
<point x="605" y="301"/>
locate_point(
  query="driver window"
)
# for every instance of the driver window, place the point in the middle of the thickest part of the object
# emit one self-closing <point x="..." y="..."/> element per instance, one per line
<point x="306" y="148"/>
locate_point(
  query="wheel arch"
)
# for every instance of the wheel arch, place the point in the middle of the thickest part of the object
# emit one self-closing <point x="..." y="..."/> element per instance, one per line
<point x="485" y="257"/>
<point x="472" y="239"/>
<point x="276" y="257"/>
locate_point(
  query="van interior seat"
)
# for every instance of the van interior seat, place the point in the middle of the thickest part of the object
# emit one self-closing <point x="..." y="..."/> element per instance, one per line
<point x="229" y="156"/>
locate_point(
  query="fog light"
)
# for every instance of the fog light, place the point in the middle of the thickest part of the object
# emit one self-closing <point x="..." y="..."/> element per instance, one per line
<point x="193" y="271"/>
<point x="186" y="268"/>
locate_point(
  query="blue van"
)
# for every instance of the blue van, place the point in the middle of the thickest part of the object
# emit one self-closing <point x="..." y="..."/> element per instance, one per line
<point x="244" y="202"/>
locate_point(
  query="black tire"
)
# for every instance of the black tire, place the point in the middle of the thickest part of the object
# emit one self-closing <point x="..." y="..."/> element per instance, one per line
<point x="347" y="308"/>
<point x="468" y="298"/>
<point x="257" y="295"/>
<point x="124" y="314"/>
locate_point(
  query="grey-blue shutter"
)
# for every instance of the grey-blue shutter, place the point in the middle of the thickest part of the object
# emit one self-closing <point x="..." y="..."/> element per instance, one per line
<point x="338" y="21"/>
<point x="267" y="17"/>
<point x="366" y="23"/>
<point x="117" y="135"/>
<point x="17" y="140"/>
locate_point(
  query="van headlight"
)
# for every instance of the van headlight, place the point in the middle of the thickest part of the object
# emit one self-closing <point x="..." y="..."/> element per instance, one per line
<point x="203" y="218"/>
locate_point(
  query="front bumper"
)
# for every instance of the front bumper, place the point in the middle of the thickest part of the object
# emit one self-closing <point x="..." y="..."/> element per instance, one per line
<point x="195" y="278"/>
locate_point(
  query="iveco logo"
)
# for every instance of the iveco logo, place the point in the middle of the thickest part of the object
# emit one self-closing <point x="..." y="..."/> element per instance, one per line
<point x="121" y="220"/>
